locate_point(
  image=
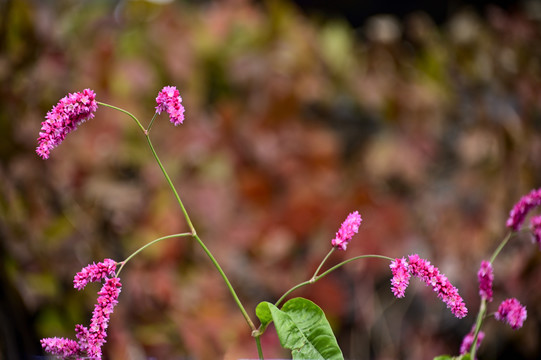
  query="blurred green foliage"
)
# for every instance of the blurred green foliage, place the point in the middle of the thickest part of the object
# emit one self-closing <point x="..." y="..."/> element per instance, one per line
<point x="292" y="122"/>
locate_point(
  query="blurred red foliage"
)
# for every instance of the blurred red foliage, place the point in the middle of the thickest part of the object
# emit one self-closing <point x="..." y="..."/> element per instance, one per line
<point x="432" y="133"/>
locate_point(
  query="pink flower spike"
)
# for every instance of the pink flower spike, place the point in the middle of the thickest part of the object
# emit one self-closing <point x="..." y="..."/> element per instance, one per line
<point x="467" y="342"/>
<point x="401" y="277"/>
<point x="521" y="209"/>
<point x="535" y="225"/>
<point x="71" y="111"/>
<point x="97" y="333"/>
<point x="94" y="272"/>
<point x="486" y="277"/>
<point x="60" y="346"/>
<point x="430" y="275"/>
<point x="349" y="228"/>
<point x="512" y="313"/>
<point x="169" y="100"/>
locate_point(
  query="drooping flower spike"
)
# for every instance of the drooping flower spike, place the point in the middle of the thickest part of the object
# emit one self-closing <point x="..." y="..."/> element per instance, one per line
<point x="169" y="100"/>
<point x="97" y="332"/>
<point x="512" y="313"/>
<point x="521" y="209"/>
<point x="430" y="275"/>
<point x="485" y="275"/>
<point x="90" y="340"/>
<point x="71" y="111"/>
<point x="349" y="227"/>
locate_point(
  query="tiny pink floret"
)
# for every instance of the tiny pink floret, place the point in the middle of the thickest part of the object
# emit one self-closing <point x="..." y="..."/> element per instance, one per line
<point x="512" y="313"/>
<point x="349" y="228"/>
<point x="169" y="100"/>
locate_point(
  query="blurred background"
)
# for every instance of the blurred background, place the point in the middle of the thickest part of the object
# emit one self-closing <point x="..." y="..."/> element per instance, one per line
<point x="426" y="119"/>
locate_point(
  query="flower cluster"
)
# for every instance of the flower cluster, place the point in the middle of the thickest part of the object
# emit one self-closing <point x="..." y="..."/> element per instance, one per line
<point x="61" y="347"/>
<point x="94" y="272"/>
<point x="521" y="209"/>
<point x="401" y="277"/>
<point x="169" y="100"/>
<point x="90" y="340"/>
<point x="535" y="223"/>
<point x="430" y="275"/>
<point x="70" y="112"/>
<point x="349" y="227"/>
<point x="467" y="342"/>
<point x="485" y="275"/>
<point x="512" y="313"/>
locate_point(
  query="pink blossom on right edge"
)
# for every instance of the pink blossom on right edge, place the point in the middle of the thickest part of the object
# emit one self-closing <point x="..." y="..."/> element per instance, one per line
<point x="349" y="227"/>
<point x="485" y="276"/>
<point x="535" y="226"/>
<point x="169" y="100"/>
<point x="521" y="209"/>
<point x="512" y="313"/>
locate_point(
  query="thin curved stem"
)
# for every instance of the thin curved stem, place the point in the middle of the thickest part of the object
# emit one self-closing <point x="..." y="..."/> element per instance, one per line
<point x="323" y="262"/>
<point x="150" y="124"/>
<point x="483" y="307"/>
<point x="316" y="277"/>
<point x="227" y="282"/>
<point x="192" y="233"/>
<point x="186" y="216"/>
<point x="500" y="247"/>
<point x="125" y="112"/>
<point x="479" y="321"/>
<point x="147" y="245"/>
<point x="327" y="272"/>
<point x="199" y="241"/>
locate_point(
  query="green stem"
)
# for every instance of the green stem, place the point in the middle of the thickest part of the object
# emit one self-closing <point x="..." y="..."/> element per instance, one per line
<point x="186" y="216"/>
<point x="483" y="307"/>
<point x="480" y="318"/>
<point x="150" y="124"/>
<point x="125" y="112"/>
<point x="227" y="282"/>
<point x="200" y="242"/>
<point x="323" y="262"/>
<point x="500" y="247"/>
<point x="147" y="245"/>
<point x="259" y="350"/>
<point x="317" y="277"/>
<point x="192" y="233"/>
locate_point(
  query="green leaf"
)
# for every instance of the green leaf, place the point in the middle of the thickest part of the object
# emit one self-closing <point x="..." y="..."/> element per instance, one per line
<point x="302" y="327"/>
<point x="449" y="357"/>
<point x="262" y="311"/>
